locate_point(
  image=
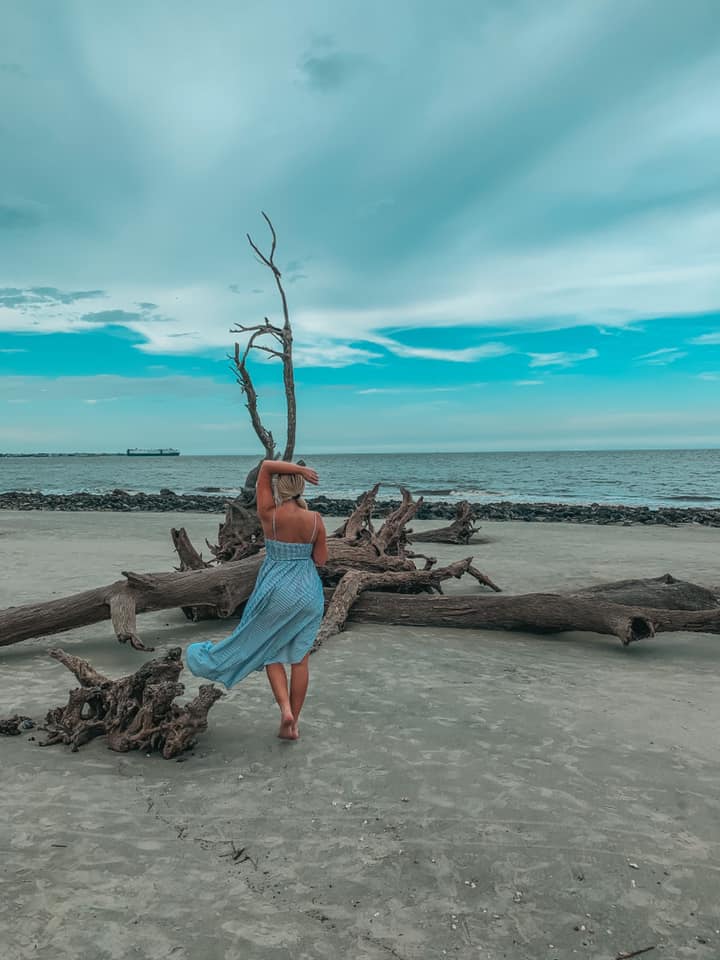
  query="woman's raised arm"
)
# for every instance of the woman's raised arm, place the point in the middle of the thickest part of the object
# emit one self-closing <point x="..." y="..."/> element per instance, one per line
<point x="263" y="488"/>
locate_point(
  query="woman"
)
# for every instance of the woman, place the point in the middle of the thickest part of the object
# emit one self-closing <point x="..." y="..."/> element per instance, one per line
<point x="282" y="616"/>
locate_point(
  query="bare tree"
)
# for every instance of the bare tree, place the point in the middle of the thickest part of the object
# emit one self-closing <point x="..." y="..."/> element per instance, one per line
<point x="277" y="343"/>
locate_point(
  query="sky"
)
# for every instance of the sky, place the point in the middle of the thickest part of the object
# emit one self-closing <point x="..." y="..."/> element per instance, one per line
<point x="498" y="222"/>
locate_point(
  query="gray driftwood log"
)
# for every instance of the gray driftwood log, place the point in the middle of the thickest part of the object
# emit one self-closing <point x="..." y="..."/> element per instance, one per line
<point x="532" y="613"/>
<point x="459" y="531"/>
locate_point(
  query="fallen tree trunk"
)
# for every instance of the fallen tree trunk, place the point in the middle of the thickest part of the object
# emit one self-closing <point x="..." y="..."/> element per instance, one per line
<point x="219" y="590"/>
<point x="134" y="713"/>
<point x="531" y="613"/>
<point x="459" y="531"/>
<point x="224" y="588"/>
<point x="227" y="587"/>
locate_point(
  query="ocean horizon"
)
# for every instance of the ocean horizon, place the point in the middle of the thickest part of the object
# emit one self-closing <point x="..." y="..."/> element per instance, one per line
<point x="632" y="477"/>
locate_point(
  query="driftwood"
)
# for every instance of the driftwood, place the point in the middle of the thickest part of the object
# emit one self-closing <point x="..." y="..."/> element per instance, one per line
<point x="459" y="531"/>
<point x="532" y="613"/>
<point x="134" y="713"/>
<point x="663" y="593"/>
<point x="392" y="537"/>
<point x="358" y="525"/>
<point x="223" y="588"/>
<point x="355" y="582"/>
<point x="365" y="560"/>
<point x="202" y="592"/>
<point x="240" y="535"/>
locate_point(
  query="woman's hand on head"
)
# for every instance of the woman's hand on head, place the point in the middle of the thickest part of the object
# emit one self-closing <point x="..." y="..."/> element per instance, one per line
<point x="309" y="474"/>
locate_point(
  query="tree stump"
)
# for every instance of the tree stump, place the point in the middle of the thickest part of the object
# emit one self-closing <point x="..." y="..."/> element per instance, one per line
<point x="459" y="531"/>
<point x="134" y="713"/>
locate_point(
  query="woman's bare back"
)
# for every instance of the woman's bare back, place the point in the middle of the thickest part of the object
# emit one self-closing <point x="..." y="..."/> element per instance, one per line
<point x="291" y="524"/>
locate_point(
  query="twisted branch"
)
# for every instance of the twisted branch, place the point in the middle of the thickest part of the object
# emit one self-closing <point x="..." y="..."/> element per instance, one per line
<point x="284" y="337"/>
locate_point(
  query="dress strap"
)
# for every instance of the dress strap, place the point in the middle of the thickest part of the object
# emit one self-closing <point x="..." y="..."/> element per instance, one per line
<point x="312" y="538"/>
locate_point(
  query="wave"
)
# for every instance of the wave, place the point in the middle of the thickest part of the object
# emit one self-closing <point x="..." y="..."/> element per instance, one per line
<point x="478" y="493"/>
<point x="694" y="498"/>
<point x="233" y="490"/>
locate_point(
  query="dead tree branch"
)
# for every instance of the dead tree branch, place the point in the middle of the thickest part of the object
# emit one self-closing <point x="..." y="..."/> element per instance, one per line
<point x="283" y="336"/>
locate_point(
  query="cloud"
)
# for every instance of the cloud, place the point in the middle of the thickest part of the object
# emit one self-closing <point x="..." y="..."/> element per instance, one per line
<point x="501" y="205"/>
<point x="13" y="350"/>
<point x="53" y="295"/>
<point x="331" y="355"/>
<point x="528" y="383"/>
<point x="561" y="358"/>
<point x="328" y="72"/>
<point x="38" y="298"/>
<point x="708" y="375"/>
<point x="663" y="356"/>
<point x="706" y="339"/>
<point x="21" y="214"/>
<point x="460" y="355"/>
<point x="419" y="388"/>
<point x="105" y="318"/>
<point x="663" y="351"/>
<point x="107" y="387"/>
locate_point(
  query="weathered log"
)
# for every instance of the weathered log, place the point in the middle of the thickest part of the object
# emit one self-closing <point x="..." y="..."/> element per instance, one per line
<point x="355" y="582"/>
<point x="189" y="557"/>
<point x="392" y="537"/>
<point x="459" y="531"/>
<point x="663" y="593"/>
<point x="137" y="712"/>
<point x="531" y="613"/>
<point x="224" y="587"/>
<point x="358" y="525"/>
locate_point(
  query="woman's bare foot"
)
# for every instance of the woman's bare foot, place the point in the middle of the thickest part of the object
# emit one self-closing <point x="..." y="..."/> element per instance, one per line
<point x="295" y="732"/>
<point x="287" y="726"/>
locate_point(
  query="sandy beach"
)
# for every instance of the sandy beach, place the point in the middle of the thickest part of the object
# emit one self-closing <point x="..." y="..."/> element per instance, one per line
<point x="457" y="794"/>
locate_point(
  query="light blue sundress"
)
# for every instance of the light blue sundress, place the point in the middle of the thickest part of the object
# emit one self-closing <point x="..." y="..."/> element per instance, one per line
<point x="280" y="620"/>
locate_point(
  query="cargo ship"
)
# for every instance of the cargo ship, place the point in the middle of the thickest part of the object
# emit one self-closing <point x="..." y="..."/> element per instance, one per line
<point x="160" y="452"/>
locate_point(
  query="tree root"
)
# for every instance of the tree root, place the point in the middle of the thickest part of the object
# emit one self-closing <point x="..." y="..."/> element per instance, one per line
<point x="134" y="713"/>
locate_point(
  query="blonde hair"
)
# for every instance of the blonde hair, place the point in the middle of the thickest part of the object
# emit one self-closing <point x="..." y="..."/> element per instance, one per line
<point x="290" y="486"/>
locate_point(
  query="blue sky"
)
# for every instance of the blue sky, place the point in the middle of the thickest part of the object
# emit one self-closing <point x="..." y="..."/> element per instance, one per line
<point x="499" y="222"/>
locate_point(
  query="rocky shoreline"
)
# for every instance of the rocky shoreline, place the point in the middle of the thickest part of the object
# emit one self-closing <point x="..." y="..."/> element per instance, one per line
<point x="167" y="501"/>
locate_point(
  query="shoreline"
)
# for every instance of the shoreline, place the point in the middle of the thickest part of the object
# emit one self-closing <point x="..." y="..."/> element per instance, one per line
<point x="167" y="501"/>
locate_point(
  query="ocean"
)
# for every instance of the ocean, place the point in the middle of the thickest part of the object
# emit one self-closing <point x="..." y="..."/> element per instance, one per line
<point x="632" y="477"/>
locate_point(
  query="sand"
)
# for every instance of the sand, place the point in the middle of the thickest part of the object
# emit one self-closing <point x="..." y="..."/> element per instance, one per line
<point x="459" y="794"/>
